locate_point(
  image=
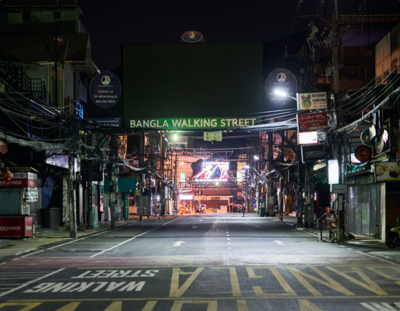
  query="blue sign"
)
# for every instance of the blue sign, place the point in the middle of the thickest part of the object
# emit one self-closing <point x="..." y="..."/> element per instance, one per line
<point x="113" y="122"/>
<point x="105" y="89"/>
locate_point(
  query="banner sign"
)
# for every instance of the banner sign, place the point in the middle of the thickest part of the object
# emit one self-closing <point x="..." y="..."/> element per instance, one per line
<point x="105" y="89"/>
<point x="31" y="195"/>
<point x="280" y="80"/>
<point x="308" y="138"/>
<point x="193" y="123"/>
<point x="20" y="180"/>
<point x="110" y="122"/>
<point x="312" y="121"/>
<point x="309" y="101"/>
<point x="311" y="153"/>
<point x="16" y="226"/>
<point x="387" y="171"/>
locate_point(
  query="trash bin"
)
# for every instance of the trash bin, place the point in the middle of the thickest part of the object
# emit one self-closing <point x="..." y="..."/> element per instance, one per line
<point x="262" y="211"/>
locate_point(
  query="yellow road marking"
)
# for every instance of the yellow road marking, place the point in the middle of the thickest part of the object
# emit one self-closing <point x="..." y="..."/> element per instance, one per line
<point x="214" y="298"/>
<point x="242" y="305"/>
<point x="251" y="273"/>
<point x="257" y="289"/>
<point x="175" y="290"/>
<point x="114" y="306"/>
<point x="234" y="280"/>
<point x="371" y="285"/>
<point x="305" y="305"/>
<point x="149" y="306"/>
<point x="70" y="307"/>
<point x="373" y="269"/>
<point x="29" y="305"/>
<point x="332" y="284"/>
<point x="212" y="304"/>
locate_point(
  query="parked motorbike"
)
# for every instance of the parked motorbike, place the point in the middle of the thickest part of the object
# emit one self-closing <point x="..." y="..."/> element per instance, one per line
<point x="393" y="239"/>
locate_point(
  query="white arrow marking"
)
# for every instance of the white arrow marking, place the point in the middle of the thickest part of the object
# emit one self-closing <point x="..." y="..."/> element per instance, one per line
<point x="278" y="242"/>
<point x="178" y="243"/>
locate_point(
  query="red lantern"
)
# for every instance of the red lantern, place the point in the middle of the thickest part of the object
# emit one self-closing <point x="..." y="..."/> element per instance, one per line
<point x="8" y="177"/>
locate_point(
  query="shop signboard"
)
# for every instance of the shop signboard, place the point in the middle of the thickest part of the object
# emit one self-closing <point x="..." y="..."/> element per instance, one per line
<point x="387" y="171"/>
<point x="314" y="152"/>
<point x="308" y="138"/>
<point x="310" y="101"/>
<point x="31" y="194"/>
<point x="20" y="180"/>
<point x="109" y="122"/>
<point x="16" y="226"/>
<point x="239" y="176"/>
<point x="339" y="189"/>
<point x="182" y="176"/>
<point x="280" y="80"/>
<point x="105" y="89"/>
<point x="312" y="121"/>
<point x="333" y="172"/>
<point x="183" y="197"/>
<point x="213" y="171"/>
<point x="126" y="210"/>
<point x="193" y="123"/>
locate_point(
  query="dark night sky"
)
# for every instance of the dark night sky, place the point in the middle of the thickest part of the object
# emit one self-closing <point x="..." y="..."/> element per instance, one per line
<point x="112" y="23"/>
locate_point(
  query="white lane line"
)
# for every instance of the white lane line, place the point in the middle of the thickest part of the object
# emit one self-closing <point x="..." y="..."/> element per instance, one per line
<point x="376" y="257"/>
<point x="32" y="254"/>
<point x="30" y="282"/>
<point x="132" y="238"/>
<point x="86" y="237"/>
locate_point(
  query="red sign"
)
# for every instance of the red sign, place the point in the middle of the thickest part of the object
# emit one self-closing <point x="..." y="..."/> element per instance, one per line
<point x="16" y="226"/>
<point x="20" y="180"/>
<point x="312" y="121"/>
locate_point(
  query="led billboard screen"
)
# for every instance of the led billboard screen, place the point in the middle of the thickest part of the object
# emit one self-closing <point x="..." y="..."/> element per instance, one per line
<point x="207" y="80"/>
<point x="212" y="171"/>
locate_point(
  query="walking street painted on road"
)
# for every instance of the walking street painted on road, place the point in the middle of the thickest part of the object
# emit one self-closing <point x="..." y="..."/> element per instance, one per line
<point x="222" y="263"/>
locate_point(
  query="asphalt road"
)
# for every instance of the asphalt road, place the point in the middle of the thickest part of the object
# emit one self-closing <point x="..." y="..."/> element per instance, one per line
<point x="200" y="262"/>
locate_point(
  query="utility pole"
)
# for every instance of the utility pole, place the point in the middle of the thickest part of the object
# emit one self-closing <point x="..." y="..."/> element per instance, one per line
<point x="269" y="166"/>
<point x="175" y="184"/>
<point x="72" y="210"/>
<point x="281" y="199"/>
<point x="306" y="186"/>
<point x="299" y="191"/>
<point x="335" y="50"/>
<point x="142" y="177"/>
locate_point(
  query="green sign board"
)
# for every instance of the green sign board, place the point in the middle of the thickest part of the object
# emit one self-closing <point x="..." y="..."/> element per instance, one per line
<point x="126" y="216"/>
<point x="193" y="123"/>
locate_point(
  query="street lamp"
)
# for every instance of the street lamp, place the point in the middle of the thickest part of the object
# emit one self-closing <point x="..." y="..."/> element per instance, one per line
<point x="283" y="94"/>
<point x="256" y="158"/>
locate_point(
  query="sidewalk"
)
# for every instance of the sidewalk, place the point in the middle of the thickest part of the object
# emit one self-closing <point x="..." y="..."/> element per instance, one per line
<point x="374" y="246"/>
<point x="46" y="236"/>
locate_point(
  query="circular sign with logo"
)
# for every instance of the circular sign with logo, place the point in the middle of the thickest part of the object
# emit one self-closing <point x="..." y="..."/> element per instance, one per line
<point x="192" y="36"/>
<point x="363" y="153"/>
<point x="368" y="135"/>
<point x="105" y="89"/>
<point x="283" y="81"/>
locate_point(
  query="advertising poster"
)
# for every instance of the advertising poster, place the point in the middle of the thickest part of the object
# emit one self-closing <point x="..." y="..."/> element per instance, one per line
<point x="105" y="89"/>
<point x="309" y="101"/>
<point x="312" y="121"/>
<point x="282" y="80"/>
<point x="311" y="153"/>
<point x="212" y="171"/>
<point x="387" y="171"/>
<point x="20" y="180"/>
